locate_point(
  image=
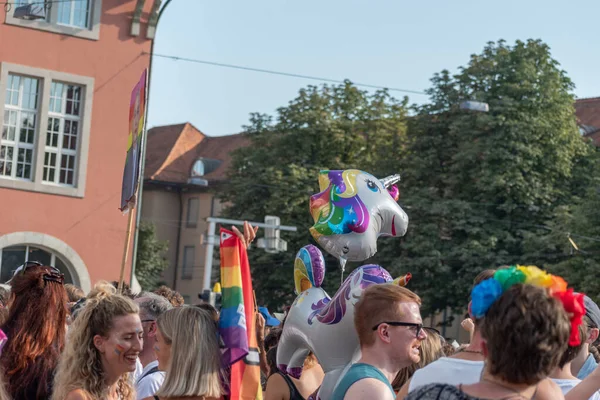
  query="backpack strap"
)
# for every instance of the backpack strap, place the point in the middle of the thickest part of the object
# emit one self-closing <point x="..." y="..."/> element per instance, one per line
<point x="152" y="371"/>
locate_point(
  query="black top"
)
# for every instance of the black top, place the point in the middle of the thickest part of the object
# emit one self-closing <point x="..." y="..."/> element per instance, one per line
<point x="294" y="392"/>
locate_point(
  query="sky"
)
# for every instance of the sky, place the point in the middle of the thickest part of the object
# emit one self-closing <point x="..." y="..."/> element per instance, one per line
<point x="390" y="43"/>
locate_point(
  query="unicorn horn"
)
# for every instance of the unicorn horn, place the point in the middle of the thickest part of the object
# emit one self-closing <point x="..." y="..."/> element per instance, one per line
<point x="402" y="280"/>
<point x="390" y="180"/>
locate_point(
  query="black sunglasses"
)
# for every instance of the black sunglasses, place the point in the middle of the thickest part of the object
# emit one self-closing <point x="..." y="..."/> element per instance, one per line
<point x="411" y="324"/>
<point x="54" y="275"/>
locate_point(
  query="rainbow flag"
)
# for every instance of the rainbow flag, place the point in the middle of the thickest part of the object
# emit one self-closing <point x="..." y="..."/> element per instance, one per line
<point x="237" y="319"/>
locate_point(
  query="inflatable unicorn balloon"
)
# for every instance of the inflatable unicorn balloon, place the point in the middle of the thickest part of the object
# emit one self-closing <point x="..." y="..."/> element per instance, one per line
<point x="352" y="210"/>
<point x="322" y="325"/>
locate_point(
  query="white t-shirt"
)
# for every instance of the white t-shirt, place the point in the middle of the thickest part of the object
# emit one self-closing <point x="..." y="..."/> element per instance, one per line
<point x="452" y="371"/>
<point x="133" y="377"/>
<point x="568" y="384"/>
<point x="148" y="385"/>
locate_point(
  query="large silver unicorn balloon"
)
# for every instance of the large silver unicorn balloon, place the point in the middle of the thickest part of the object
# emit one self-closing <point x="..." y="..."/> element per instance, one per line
<point x="352" y="210"/>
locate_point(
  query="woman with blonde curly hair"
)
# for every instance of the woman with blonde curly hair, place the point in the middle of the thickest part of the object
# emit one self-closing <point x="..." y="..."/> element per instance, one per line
<point x="103" y="345"/>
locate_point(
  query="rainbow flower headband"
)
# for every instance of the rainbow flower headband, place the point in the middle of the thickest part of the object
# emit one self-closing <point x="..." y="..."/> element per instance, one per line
<point x="487" y="292"/>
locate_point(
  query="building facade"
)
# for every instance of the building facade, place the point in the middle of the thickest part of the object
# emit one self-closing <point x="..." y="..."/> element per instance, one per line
<point x="66" y="73"/>
<point x="184" y="170"/>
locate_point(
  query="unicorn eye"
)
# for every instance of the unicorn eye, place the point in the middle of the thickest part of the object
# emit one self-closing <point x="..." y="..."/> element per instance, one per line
<point x="372" y="185"/>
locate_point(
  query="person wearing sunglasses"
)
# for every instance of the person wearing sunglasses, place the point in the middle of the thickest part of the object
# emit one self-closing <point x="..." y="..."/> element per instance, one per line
<point x="151" y="306"/>
<point x="431" y="349"/>
<point x="390" y="331"/>
<point x="36" y="328"/>
<point x="587" y="359"/>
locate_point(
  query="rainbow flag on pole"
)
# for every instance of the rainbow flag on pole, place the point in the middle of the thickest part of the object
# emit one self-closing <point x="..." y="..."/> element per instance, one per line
<point x="237" y="320"/>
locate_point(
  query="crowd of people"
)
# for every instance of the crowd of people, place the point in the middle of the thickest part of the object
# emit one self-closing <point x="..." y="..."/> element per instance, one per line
<point x="531" y="338"/>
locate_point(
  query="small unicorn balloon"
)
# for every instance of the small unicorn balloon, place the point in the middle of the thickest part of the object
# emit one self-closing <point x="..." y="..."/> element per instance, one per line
<point x="324" y="325"/>
<point x="353" y="210"/>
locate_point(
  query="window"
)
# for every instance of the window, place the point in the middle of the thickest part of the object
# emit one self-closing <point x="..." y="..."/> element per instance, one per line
<point x="45" y="130"/>
<point x="80" y="18"/>
<point x="192" y="212"/>
<point x="74" y="13"/>
<point x="15" y="256"/>
<point x="198" y="169"/>
<point x="189" y="254"/>
<point x="19" y="127"/>
<point x="61" y="136"/>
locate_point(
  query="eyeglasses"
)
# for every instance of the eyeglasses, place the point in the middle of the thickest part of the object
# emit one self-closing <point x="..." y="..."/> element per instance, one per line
<point x="411" y="324"/>
<point x="433" y="330"/>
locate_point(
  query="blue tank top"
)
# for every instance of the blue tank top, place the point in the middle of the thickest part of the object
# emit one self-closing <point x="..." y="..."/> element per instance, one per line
<point x="356" y="373"/>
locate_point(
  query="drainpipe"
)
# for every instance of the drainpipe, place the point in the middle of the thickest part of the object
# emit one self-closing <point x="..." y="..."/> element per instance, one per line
<point x="138" y="216"/>
<point x="176" y="267"/>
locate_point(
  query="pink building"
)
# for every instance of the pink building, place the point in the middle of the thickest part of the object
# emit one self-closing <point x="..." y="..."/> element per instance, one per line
<point x="66" y="74"/>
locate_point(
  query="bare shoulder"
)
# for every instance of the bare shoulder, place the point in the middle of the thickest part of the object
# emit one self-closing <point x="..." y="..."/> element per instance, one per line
<point x="549" y="390"/>
<point x="367" y="389"/>
<point x="403" y="390"/>
<point x="77" y="394"/>
<point x="277" y="388"/>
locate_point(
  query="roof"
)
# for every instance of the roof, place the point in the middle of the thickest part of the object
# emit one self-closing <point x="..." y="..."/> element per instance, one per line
<point x="588" y="116"/>
<point x="172" y="151"/>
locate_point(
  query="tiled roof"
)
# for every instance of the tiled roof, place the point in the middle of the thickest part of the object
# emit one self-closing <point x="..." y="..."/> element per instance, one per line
<point x="588" y="116"/>
<point x="173" y="149"/>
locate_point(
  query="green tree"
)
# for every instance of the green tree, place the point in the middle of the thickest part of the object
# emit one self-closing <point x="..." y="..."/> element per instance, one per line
<point x="151" y="261"/>
<point x="327" y="127"/>
<point x="482" y="188"/>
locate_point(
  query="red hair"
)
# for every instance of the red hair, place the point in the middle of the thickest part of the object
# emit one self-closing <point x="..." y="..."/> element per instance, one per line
<point x="36" y="330"/>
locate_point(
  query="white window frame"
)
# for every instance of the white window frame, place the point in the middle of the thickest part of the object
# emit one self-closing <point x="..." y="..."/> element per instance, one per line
<point x="53" y="257"/>
<point x="46" y="78"/>
<point x="59" y="151"/>
<point x="50" y="24"/>
<point x="71" y="5"/>
<point x="16" y="143"/>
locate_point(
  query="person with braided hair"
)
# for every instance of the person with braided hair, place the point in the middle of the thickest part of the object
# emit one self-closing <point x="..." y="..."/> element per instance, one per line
<point x="102" y="349"/>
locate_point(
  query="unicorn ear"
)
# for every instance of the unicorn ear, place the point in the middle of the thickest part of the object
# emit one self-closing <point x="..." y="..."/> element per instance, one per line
<point x="394" y="192"/>
<point x="324" y="181"/>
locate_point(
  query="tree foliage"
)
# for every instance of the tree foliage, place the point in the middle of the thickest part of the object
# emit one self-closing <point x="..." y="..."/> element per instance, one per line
<point x="481" y="189"/>
<point x="151" y="261"/>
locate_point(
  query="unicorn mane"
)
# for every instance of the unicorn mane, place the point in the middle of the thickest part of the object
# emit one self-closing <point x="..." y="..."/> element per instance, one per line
<point x="338" y="209"/>
<point x="332" y="311"/>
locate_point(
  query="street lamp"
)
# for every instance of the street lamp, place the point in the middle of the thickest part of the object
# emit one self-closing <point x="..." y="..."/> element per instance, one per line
<point x="475" y="106"/>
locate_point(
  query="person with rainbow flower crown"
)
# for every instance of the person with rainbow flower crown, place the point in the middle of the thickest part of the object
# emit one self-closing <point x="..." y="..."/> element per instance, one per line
<point x="530" y="318"/>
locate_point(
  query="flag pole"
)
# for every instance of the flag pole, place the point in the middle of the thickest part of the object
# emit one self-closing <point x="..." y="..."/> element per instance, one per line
<point x="126" y="250"/>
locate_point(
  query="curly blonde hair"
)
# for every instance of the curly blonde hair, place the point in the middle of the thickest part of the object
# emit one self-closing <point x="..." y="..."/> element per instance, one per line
<point x="80" y="366"/>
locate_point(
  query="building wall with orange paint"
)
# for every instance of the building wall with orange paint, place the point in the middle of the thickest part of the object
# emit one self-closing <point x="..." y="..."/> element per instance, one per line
<point x="85" y="228"/>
